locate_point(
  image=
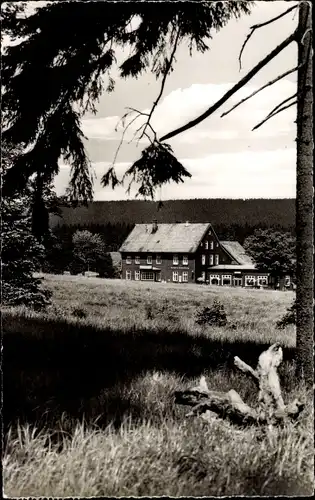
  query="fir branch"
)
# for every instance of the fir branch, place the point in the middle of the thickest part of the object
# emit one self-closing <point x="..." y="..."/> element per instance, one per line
<point x="271" y="115"/>
<point x="257" y="26"/>
<point x="271" y="82"/>
<point x="234" y="89"/>
<point x="165" y="75"/>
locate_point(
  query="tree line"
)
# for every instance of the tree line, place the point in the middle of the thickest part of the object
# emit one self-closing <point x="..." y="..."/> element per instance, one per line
<point x="277" y="213"/>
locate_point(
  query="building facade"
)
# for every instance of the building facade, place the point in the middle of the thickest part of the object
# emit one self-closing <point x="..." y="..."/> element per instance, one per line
<point x="187" y="253"/>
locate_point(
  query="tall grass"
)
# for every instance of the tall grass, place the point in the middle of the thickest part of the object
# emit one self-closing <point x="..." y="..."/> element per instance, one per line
<point x="93" y="411"/>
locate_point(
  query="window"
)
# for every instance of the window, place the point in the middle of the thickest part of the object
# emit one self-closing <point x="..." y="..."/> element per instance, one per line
<point x="137" y="259"/>
<point x="175" y="275"/>
<point x="262" y="280"/>
<point x="137" y="275"/>
<point x="206" y="245"/>
<point x="203" y="260"/>
<point x="185" y="260"/>
<point x="214" y="279"/>
<point x="158" y="259"/>
<point x="250" y="280"/>
<point x="185" y="276"/>
<point x="149" y="259"/>
<point x="147" y="276"/>
<point x="210" y="233"/>
<point x="226" y="279"/>
<point x="211" y="260"/>
<point x="287" y="281"/>
<point x="175" y="260"/>
<point x="211" y="245"/>
<point x="128" y="275"/>
<point x="128" y="259"/>
<point x="217" y="244"/>
<point x="216" y="260"/>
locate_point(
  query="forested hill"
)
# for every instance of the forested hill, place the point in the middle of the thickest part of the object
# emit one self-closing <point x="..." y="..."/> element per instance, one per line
<point x="223" y="212"/>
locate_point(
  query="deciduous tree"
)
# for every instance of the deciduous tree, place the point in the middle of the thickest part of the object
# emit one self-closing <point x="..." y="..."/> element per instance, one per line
<point x="273" y="251"/>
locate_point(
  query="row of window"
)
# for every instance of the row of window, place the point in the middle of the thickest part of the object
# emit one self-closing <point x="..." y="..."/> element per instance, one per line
<point x="149" y="276"/>
<point x="226" y="279"/>
<point x="143" y="275"/>
<point x="210" y="245"/>
<point x="212" y="258"/>
<point x="158" y="260"/>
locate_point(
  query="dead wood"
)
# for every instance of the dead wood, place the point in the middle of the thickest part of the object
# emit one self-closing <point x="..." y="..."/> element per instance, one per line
<point x="270" y="406"/>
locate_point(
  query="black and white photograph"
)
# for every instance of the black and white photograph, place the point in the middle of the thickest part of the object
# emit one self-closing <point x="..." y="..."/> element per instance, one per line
<point x="157" y="248"/>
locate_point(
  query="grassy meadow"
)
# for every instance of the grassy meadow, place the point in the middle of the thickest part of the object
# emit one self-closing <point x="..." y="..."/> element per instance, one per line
<point x="89" y="394"/>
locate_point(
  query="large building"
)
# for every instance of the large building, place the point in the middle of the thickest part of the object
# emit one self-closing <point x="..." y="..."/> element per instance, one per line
<point x="187" y="253"/>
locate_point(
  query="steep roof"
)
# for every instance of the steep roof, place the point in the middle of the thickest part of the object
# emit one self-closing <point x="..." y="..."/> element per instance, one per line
<point x="235" y="249"/>
<point x="167" y="238"/>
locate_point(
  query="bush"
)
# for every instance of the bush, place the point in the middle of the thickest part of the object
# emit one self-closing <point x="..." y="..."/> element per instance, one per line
<point x="214" y="315"/>
<point x="289" y="318"/>
<point x="79" y="313"/>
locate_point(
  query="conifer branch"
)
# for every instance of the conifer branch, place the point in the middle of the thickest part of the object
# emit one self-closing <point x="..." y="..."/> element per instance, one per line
<point x="272" y="113"/>
<point x="234" y="89"/>
<point x="271" y="82"/>
<point x="261" y="25"/>
<point x="165" y="75"/>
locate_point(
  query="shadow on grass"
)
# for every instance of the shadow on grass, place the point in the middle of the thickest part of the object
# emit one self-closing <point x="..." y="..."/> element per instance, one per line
<point x="53" y="366"/>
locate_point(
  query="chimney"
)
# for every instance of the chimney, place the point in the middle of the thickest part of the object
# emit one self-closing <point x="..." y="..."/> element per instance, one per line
<point x="154" y="226"/>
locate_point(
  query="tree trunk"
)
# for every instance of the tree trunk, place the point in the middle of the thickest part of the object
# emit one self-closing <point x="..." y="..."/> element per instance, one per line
<point x="304" y="199"/>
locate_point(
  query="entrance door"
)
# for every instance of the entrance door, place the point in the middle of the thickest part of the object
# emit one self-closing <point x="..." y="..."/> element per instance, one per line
<point x="237" y="281"/>
<point x="157" y="276"/>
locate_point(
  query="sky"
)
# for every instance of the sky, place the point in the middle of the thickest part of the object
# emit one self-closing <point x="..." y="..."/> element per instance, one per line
<point x="224" y="156"/>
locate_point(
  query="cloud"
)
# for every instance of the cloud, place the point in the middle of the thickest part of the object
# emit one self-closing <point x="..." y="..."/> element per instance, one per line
<point x="182" y="105"/>
<point x="248" y="174"/>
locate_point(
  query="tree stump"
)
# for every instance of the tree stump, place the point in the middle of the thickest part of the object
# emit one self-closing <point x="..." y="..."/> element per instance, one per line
<point x="270" y="408"/>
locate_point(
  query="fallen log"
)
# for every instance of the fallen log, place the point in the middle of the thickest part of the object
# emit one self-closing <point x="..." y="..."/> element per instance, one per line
<point x="270" y="406"/>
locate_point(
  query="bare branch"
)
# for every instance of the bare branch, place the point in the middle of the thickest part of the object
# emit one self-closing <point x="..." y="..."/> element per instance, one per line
<point x="271" y="82"/>
<point x="257" y="26"/>
<point x="123" y="135"/>
<point x="141" y="113"/>
<point x="283" y="102"/>
<point x="165" y="75"/>
<point x="271" y="115"/>
<point x="234" y="89"/>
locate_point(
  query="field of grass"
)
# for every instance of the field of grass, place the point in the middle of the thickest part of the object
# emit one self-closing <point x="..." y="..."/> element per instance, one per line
<point x="89" y="394"/>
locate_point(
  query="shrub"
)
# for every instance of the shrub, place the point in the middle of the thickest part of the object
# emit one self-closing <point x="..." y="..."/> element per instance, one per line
<point x="214" y="315"/>
<point x="289" y="318"/>
<point x="79" y="313"/>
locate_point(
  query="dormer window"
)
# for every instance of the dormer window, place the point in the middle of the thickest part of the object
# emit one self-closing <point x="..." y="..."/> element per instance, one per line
<point x="158" y="259"/>
<point x="185" y="260"/>
<point x="128" y="259"/>
<point x="149" y="259"/>
<point x="137" y="259"/>
<point x="175" y="260"/>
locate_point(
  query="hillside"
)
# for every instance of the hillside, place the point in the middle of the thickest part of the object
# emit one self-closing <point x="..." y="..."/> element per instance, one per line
<point x="223" y="212"/>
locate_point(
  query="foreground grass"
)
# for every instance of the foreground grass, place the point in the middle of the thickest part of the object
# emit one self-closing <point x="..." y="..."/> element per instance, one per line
<point x="118" y="366"/>
<point x="163" y="453"/>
